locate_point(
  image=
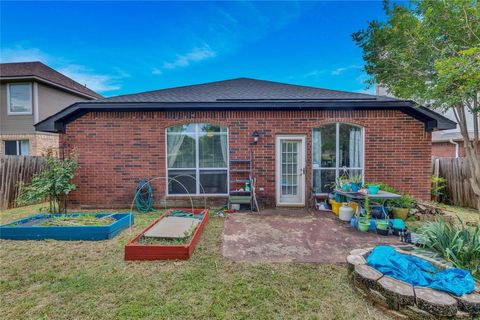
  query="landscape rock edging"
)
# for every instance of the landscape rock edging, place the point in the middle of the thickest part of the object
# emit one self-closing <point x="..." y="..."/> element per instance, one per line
<point x="404" y="301"/>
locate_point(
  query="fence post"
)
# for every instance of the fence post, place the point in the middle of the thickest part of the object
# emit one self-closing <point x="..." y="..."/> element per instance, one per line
<point x="436" y="174"/>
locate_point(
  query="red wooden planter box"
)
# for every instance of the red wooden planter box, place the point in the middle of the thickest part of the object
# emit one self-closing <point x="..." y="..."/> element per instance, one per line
<point x="135" y="251"/>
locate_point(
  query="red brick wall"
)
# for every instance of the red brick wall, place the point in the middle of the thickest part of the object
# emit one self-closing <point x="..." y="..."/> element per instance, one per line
<point x="447" y="149"/>
<point x="116" y="149"/>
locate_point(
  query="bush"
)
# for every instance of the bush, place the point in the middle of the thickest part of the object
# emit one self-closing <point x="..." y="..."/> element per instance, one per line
<point x="405" y="201"/>
<point x="52" y="184"/>
<point x="438" y="188"/>
<point x="459" y="244"/>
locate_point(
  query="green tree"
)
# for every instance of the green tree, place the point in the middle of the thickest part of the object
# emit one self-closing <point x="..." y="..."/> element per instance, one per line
<point x="52" y="183"/>
<point x="429" y="51"/>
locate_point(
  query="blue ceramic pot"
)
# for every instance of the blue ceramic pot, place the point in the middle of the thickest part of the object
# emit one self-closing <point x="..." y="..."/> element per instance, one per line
<point x="373" y="189"/>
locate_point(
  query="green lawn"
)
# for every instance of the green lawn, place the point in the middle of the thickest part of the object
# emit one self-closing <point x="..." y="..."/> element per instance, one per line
<point x="90" y="280"/>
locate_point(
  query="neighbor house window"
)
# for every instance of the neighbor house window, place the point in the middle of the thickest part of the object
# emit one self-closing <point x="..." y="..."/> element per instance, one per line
<point x="16" y="147"/>
<point x="19" y="98"/>
<point x="197" y="156"/>
<point x="337" y="151"/>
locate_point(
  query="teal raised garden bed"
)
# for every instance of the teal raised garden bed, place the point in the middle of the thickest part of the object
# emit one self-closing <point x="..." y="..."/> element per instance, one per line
<point x="31" y="229"/>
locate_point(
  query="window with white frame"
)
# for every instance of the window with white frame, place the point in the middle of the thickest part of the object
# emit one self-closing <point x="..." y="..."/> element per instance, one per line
<point x="16" y="147"/>
<point x="19" y="98"/>
<point x="337" y="147"/>
<point x="197" y="159"/>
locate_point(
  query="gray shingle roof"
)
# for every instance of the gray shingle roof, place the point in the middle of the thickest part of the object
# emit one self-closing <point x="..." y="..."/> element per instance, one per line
<point x="42" y="71"/>
<point x="242" y="94"/>
<point x="243" y="89"/>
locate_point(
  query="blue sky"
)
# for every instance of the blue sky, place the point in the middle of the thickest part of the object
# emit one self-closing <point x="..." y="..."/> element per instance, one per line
<point x="126" y="47"/>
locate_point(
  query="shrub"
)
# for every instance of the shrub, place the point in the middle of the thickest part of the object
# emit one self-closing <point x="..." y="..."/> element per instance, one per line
<point x="438" y="187"/>
<point x="459" y="244"/>
<point x="405" y="201"/>
<point x="52" y="184"/>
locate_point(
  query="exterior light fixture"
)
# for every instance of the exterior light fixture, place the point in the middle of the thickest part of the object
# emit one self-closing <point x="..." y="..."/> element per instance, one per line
<point x="255" y="136"/>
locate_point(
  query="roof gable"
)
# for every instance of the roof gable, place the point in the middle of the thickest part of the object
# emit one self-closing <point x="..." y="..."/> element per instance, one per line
<point x="43" y="72"/>
<point x="242" y="94"/>
<point x="243" y="89"/>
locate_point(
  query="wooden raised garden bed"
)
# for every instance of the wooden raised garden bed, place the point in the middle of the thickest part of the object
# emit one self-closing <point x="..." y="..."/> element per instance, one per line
<point x="101" y="226"/>
<point x="137" y="249"/>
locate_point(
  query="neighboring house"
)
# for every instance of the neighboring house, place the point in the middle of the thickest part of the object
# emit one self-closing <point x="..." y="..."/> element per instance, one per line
<point x="449" y="143"/>
<point x="29" y="93"/>
<point x="300" y="139"/>
<point x="446" y="143"/>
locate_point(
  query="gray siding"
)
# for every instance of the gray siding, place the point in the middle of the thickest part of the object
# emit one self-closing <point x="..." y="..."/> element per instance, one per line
<point x="50" y="101"/>
<point x="13" y="124"/>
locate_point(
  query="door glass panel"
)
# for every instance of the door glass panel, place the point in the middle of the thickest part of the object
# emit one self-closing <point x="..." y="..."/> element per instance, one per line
<point x="289" y="174"/>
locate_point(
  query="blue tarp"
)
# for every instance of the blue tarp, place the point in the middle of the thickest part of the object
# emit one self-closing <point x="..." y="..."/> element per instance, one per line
<point x="419" y="272"/>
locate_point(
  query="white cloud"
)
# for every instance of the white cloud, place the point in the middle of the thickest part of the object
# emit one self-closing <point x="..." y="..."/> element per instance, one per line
<point x="20" y="54"/>
<point x="339" y="71"/>
<point x="95" y="81"/>
<point x="84" y="75"/>
<point x="197" y="54"/>
<point x="314" y="73"/>
<point x="157" y="71"/>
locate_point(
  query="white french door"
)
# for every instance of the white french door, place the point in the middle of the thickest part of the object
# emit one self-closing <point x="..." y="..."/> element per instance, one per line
<point x="290" y="170"/>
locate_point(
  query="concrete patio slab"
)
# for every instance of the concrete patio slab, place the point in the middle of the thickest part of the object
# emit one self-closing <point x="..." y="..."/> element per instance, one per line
<point x="304" y="237"/>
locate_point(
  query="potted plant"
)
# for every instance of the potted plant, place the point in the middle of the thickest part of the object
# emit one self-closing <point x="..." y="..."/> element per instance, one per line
<point x="356" y="183"/>
<point x="344" y="183"/>
<point x="364" y="222"/>
<point x="402" y="206"/>
<point x="382" y="226"/>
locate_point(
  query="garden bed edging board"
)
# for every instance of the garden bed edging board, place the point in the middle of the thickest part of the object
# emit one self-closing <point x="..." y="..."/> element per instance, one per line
<point x="136" y="251"/>
<point x="20" y="230"/>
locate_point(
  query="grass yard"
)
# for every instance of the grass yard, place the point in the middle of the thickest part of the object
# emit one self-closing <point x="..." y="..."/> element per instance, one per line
<point x="87" y="280"/>
<point x="90" y="280"/>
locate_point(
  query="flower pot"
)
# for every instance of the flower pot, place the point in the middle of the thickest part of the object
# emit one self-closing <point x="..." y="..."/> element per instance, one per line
<point x="355" y="187"/>
<point x="354" y="206"/>
<point x="346" y="187"/>
<point x="345" y="212"/>
<point x="364" y="225"/>
<point x="373" y="189"/>
<point x="335" y="206"/>
<point x="381" y="224"/>
<point x="401" y="213"/>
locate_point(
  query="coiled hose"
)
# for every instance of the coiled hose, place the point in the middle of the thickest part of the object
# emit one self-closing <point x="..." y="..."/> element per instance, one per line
<point x="144" y="196"/>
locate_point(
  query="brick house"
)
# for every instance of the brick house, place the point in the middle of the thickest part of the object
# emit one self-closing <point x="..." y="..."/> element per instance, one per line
<point x="445" y="143"/>
<point x="449" y="143"/>
<point x="29" y="93"/>
<point x="299" y="139"/>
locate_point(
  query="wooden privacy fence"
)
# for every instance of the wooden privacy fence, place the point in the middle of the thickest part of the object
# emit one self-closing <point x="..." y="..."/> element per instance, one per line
<point x="456" y="171"/>
<point x="14" y="169"/>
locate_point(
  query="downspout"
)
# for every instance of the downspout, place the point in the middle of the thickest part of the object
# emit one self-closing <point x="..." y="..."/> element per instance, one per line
<point x="456" y="147"/>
